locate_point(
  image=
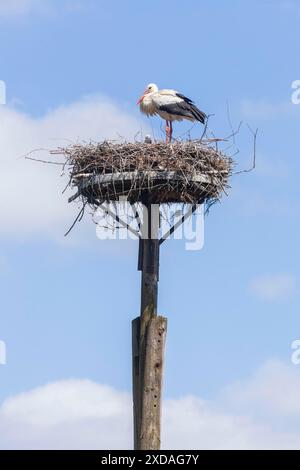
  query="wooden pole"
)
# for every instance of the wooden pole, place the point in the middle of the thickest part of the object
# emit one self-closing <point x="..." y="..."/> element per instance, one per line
<point x="151" y="375"/>
<point x="136" y="379"/>
<point x="148" y="338"/>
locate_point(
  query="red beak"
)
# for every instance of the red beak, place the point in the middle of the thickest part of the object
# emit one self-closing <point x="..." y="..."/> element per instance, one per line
<point x="141" y="99"/>
<point x="143" y="96"/>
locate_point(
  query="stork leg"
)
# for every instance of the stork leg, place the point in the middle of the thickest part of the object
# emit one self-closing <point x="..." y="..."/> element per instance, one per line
<point x="171" y="131"/>
<point x="168" y="131"/>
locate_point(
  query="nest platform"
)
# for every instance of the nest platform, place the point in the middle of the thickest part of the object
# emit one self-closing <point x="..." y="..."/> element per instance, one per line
<point x="192" y="172"/>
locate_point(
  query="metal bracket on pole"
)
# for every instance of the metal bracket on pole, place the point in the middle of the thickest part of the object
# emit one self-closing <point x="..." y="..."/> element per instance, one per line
<point x="119" y="221"/>
<point x="188" y="214"/>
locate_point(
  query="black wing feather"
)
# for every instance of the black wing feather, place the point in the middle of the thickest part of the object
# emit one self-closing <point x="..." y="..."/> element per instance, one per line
<point x="185" y="98"/>
<point x="185" y="108"/>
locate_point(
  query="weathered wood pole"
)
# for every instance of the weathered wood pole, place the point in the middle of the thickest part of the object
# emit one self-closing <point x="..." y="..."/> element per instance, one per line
<point x="148" y="338"/>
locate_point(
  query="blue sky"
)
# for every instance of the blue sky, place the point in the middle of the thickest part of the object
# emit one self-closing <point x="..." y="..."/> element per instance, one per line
<point x="66" y="305"/>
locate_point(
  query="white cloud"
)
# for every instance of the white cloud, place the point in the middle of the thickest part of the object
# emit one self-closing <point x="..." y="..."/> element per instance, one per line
<point x="67" y="414"/>
<point x="30" y="193"/>
<point x="272" y="391"/>
<point x="191" y="423"/>
<point x="274" y="287"/>
<point x="80" y="414"/>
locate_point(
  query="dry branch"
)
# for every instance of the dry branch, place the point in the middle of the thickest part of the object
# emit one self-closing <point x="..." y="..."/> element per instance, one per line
<point x="190" y="172"/>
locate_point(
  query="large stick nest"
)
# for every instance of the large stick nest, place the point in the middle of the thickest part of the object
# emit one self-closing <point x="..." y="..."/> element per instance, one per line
<point x="190" y="172"/>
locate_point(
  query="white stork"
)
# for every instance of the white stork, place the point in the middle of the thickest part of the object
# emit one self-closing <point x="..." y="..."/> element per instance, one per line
<point x="170" y="106"/>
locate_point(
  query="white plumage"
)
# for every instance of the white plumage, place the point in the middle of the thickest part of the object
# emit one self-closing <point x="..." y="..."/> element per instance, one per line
<point x="170" y="105"/>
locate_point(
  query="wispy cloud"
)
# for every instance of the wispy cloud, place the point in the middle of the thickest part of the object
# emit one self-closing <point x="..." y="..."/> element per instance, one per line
<point x="81" y="414"/>
<point x="18" y="7"/>
<point x="274" y="287"/>
<point x="263" y="110"/>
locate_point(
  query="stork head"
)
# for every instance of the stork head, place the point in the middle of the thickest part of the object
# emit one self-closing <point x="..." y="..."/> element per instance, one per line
<point x="151" y="88"/>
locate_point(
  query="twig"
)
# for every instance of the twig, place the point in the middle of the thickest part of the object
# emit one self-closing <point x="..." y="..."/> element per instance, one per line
<point x="44" y="161"/>
<point x="78" y="219"/>
<point x="247" y="170"/>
